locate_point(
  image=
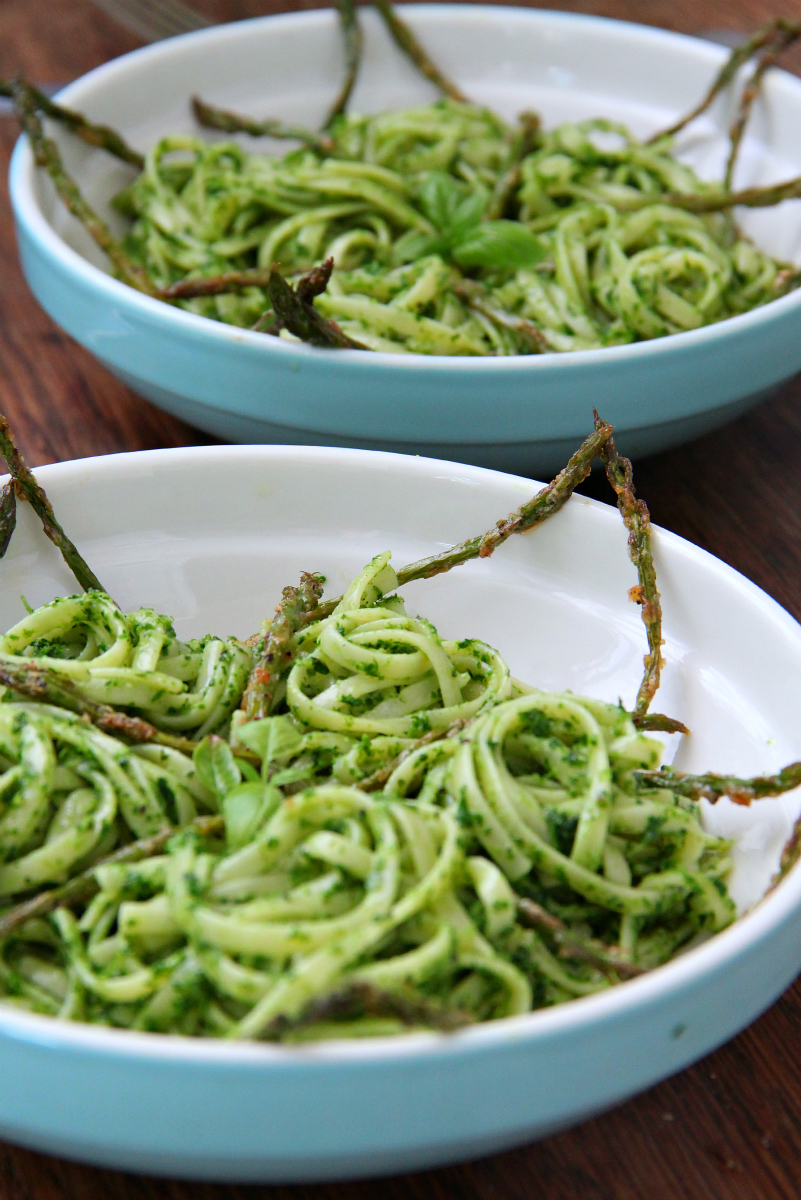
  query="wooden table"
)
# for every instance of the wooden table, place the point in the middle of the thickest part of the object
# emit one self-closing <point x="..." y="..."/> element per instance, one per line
<point x="728" y="1128"/>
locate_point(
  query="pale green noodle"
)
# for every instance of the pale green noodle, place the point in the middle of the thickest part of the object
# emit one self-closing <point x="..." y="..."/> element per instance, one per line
<point x="406" y="203"/>
<point x="317" y="886"/>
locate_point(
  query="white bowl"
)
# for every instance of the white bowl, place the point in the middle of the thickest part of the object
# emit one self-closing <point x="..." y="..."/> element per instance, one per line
<point x="211" y="535"/>
<point x="523" y="413"/>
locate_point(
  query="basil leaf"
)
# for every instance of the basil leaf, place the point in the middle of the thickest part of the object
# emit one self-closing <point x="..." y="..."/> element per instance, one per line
<point x="249" y="772"/>
<point x="499" y="244"/>
<point x="216" y="766"/>
<point x="270" y="738"/>
<point x="467" y="214"/>
<point x="440" y="195"/>
<point x="246" y="809"/>
<point x="450" y="205"/>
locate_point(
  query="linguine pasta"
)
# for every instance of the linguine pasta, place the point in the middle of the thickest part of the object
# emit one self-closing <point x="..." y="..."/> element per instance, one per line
<point x="410" y="905"/>
<point x="444" y="243"/>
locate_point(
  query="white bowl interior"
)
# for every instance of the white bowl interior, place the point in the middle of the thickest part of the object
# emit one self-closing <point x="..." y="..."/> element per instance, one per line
<point x="210" y="535"/>
<point x="566" y="67"/>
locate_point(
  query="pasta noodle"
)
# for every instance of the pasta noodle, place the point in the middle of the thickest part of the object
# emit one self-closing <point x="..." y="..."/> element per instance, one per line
<point x="317" y="908"/>
<point x="404" y="205"/>
<point x="135" y="660"/>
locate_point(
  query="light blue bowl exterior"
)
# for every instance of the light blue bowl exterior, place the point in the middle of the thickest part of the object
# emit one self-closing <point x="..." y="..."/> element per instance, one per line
<point x="150" y="1104"/>
<point x="207" y="1108"/>
<point x="525" y="412"/>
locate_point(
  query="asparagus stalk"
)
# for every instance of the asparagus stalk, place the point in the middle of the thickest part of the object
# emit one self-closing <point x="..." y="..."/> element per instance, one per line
<point x="525" y="141"/>
<point x="658" y="723"/>
<point x="35" y="495"/>
<point x="294" y="308"/>
<point x="352" y="38"/>
<point x="85" y="885"/>
<point x="408" y="43"/>
<point x="95" y="135"/>
<point x="8" y="515"/>
<point x="358" y="999"/>
<point x="738" y="57"/>
<point x="713" y="200"/>
<point x="230" y="122"/>
<point x="546" y="502"/>
<point x="711" y="787"/>
<point x="784" y="35"/>
<point x="276" y="652"/>
<point x="267" y="323"/>
<point x="47" y="686"/>
<point x="638" y="522"/>
<point x="572" y="945"/>
<point x="47" y="155"/>
<point x="215" y="285"/>
<point x="375" y="782"/>
<point x="476" y="297"/>
<point x="717" y="201"/>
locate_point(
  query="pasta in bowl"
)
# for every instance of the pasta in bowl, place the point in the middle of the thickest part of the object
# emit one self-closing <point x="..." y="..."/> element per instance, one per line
<point x="475" y="255"/>
<point x="411" y="886"/>
<point x="424" y="267"/>
<point x="324" y="886"/>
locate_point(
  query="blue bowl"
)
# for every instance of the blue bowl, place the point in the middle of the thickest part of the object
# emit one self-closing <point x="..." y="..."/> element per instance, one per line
<point x="523" y="413"/>
<point x="164" y="528"/>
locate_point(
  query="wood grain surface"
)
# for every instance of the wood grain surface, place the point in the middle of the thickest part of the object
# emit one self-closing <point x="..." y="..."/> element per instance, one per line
<point x="728" y="1128"/>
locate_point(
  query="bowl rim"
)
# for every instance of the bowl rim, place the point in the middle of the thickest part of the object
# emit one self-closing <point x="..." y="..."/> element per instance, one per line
<point x="31" y="219"/>
<point x="572" y="1017"/>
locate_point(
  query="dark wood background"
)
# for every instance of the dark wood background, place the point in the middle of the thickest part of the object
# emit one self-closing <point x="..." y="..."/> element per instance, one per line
<point x="728" y="1128"/>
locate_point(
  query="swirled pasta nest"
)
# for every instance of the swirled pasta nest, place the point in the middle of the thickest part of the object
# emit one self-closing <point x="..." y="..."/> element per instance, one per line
<point x="313" y="907"/>
<point x="401" y="203"/>
<point x="135" y="660"/>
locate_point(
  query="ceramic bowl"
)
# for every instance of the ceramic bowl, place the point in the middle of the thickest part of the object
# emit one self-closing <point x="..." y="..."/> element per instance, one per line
<point x="211" y="535"/>
<point x="520" y="413"/>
